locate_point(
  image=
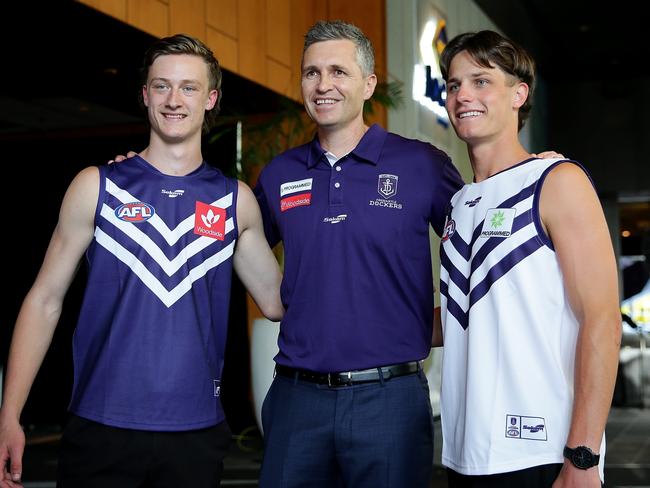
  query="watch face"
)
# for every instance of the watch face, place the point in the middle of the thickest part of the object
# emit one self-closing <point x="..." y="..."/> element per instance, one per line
<point x="582" y="458"/>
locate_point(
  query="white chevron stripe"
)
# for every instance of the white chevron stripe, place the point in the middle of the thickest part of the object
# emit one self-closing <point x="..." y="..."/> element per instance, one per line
<point x="151" y="248"/>
<point x="168" y="297"/>
<point x="171" y="236"/>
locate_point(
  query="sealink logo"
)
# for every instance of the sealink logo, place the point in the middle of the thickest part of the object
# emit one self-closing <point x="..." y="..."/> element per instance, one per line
<point x="472" y="203"/>
<point x="498" y="222"/>
<point x="173" y="193"/>
<point x="135" y="212"/>
<point x="210" y="221"/>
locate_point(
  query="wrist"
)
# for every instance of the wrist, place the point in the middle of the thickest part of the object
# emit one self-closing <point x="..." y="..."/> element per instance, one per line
<point x="582" y="457"/>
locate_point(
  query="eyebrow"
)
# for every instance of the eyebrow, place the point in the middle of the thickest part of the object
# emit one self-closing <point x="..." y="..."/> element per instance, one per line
<point x="474" y="75"/>
<point x="169" y="81"/>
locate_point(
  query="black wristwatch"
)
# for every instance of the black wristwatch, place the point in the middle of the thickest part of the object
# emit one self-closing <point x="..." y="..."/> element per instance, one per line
<point x="581" y="457"/>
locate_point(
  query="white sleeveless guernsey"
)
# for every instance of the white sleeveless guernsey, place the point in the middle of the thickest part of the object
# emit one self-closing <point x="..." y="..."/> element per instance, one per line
<point x="509" y="332"/>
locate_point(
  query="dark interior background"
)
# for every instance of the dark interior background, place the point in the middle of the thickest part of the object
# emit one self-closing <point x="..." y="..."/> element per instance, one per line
<point x="69" y="100"/>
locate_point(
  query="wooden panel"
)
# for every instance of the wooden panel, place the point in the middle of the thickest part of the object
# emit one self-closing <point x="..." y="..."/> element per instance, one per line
<point x="224" y="48"/>
<point x="187" y="17"/>
<point x="278" y="77"/>
<point x="114" y="8"/>
<point x="304" y="14"/>
<point x="278" y="32"/>
<point x="151" y="16"/>
<point x="252" y="40"/>
<point x="369" y="16"/>
<point x="222" y="15"/>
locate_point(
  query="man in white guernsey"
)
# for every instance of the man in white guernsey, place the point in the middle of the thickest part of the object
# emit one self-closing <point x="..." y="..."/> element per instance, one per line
<point x="530" y="316"/>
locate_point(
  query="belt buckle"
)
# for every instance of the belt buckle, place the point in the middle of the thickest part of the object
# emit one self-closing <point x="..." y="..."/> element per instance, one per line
<point x="329" y="380"/>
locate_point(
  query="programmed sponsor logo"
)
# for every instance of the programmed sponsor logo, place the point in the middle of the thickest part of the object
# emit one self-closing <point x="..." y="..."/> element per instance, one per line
<point x="525" y="427"/>
<point x="335" y="220"/>
<point x="296" y="186"/>
<point x="210" y="221"/>
<point x="135" y="212"/>
<point x="498" y="222"/>
<point x="295" y="201"/>
<point x="173" y="193"/>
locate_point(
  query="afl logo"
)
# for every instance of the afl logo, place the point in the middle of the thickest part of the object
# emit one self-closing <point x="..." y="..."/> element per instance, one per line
<point x="135" y="212"/>
<point x="450" y="228"/>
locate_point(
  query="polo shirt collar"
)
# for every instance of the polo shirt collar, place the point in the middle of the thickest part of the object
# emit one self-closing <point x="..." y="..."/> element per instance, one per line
<point x="368" y="149"/>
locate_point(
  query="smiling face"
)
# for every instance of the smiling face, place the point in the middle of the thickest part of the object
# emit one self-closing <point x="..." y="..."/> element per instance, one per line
<point x="482" y="102"/>
<point x="333" y="85"/>
<point x="176" y="95"/>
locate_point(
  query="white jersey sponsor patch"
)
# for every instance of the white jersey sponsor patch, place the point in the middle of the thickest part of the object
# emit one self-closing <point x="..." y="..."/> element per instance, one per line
<point x="523" y="427"/>
<point x="498" y="222"/>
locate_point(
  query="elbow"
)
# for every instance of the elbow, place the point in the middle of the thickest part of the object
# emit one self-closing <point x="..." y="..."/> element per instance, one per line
<point x="273" y="311"/>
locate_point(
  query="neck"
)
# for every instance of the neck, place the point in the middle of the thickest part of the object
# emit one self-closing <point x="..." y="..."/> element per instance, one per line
<point x="340" y="141"/>
<point x="175" y="159"/>
<point x="489" y="158"/>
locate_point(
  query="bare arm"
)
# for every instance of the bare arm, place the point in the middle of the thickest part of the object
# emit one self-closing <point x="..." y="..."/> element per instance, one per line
<point x="41" y="309"/>
<point x="254" y="262"/>
<point x="574" y="220"/>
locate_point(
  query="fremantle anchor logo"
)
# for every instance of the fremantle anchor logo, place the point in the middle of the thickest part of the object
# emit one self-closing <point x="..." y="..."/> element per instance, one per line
<point x="387" y="185"/>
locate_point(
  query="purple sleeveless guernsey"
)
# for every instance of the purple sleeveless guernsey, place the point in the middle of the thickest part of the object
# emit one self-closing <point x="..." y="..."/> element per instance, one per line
<point x="149" y="344"/>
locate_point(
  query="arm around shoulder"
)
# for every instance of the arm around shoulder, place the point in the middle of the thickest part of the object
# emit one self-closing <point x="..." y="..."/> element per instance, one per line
<point x="254" y="261"/>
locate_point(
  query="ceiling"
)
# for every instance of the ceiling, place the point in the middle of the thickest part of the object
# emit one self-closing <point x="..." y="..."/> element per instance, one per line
<point x="578" y="39"/>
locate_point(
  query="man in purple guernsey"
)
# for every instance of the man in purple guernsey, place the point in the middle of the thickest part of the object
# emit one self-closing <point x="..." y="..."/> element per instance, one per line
<point x="161" y="232"/>
<point x="349" y="405"/>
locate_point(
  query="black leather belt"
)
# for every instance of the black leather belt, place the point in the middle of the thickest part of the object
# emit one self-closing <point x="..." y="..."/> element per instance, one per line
<point x="348" y="377"/>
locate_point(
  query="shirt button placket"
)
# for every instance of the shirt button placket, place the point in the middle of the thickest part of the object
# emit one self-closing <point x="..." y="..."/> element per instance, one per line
<point x="336" y="186"/>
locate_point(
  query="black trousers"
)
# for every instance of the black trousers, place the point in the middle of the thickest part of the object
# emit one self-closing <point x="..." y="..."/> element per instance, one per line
<point x="535" y="477"/>
<point x="93" y="455"/>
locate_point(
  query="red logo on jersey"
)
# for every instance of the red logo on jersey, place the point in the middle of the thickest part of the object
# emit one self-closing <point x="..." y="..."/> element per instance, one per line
<point x="135" y="212"/>
<point x="295" y="201"/>
<point x="210" y="221"/>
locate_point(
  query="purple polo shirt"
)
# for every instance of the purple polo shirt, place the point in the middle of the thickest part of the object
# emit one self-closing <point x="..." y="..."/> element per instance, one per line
<point x="357" y="284"/>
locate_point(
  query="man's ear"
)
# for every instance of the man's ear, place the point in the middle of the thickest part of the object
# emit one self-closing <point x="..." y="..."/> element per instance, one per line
<point x="521" y="95"/>
<point x="371" y="84"/>
<point x="145" y="96"/>
<point x="213" y="96"/>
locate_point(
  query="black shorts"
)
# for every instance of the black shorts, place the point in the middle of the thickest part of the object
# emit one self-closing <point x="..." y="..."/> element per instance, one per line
<point x="93" y="455"/>
<point x="535" y="477"/>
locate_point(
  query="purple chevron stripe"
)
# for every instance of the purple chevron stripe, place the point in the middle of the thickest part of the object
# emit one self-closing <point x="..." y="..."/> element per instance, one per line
<point x="519" y="223"/>
<point x="502" y="267"/>
<point x="453" y="307"/>
<point x="454" y="274"/>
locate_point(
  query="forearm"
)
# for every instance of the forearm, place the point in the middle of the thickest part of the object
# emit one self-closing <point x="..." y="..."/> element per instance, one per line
<point x="437" y="339"/>
<point x="596" y="361"/>
<point x="31" y="339"/>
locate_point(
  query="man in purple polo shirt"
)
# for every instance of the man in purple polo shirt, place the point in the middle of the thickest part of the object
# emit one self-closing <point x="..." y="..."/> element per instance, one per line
<point x="349" y="405"/>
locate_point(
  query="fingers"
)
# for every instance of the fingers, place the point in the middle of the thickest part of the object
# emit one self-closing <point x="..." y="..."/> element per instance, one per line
<point x="16" y="464"/>
<point x="121" y="157"/>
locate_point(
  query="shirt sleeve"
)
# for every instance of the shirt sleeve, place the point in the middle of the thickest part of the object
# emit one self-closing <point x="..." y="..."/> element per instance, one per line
<point x="270" y="228"/>
<point x="449" y="182"/>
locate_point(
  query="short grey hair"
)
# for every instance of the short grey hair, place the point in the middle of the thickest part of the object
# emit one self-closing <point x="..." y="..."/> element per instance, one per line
<point x="337" y="30"/>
